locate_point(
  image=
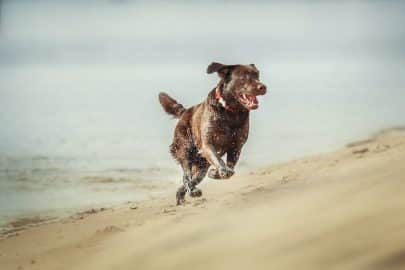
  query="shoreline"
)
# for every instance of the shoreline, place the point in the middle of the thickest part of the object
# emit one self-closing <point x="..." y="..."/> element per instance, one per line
<point x="342" y="209"/>
<point x="18" y="225"/>
<point x="39" y="217"/>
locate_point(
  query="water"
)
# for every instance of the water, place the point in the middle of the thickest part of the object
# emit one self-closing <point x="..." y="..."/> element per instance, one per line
<point x="80" y="121"/>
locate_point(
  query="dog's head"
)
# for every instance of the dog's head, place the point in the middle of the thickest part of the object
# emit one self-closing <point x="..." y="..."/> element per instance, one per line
<point x="241" y="84"/>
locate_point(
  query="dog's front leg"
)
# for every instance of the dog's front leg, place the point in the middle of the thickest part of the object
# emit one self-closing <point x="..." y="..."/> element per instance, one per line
<point x="216" y="161"/>
<point x="232" y="157"/>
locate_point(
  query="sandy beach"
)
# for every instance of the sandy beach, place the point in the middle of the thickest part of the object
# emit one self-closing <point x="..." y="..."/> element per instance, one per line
<point x="339" y="210"/>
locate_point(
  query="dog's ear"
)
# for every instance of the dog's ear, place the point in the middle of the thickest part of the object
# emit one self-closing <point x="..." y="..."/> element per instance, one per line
<point x="221" y="69"/>
<point x="254" y="67"/>
<point x="214" y="67"/>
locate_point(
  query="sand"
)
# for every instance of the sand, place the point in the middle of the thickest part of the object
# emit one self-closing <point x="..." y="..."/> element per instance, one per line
<point x="340" y="210"/>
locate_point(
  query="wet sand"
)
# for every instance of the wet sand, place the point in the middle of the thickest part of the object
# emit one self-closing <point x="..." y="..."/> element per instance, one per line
<point x="340" y="210"/>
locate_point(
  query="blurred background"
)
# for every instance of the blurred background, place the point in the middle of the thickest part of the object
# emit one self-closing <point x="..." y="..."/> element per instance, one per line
<point x="80" y="120"/>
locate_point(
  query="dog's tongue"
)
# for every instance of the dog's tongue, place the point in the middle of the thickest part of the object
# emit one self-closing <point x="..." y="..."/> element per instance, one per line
<point x="252" y="99"/>
<point x="249" y="101"/>
<point x="252" y="102"/>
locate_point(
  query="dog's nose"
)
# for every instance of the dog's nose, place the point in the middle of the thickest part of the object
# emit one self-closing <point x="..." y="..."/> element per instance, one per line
<point x="261" y="89"/>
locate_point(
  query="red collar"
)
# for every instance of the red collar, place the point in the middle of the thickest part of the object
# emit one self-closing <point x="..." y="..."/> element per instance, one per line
<point x="222" y="101"/>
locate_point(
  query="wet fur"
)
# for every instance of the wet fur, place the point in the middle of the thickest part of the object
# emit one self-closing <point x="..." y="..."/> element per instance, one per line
<point x="207" y="131"/>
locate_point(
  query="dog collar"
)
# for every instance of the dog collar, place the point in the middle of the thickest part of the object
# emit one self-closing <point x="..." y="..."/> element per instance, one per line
<point x="222" y="101"/>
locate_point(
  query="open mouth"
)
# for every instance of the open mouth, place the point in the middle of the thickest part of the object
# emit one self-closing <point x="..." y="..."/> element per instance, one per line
<point x="250" y="102"/>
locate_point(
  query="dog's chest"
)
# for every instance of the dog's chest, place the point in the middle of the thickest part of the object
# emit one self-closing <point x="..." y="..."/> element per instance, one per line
<point x="230" y="121"/>
<point x="226" y="132"/>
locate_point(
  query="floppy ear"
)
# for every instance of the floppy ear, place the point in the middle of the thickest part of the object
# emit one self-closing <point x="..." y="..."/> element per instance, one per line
<point x="221" y="69"/>
<point x="214" y="67"/>
<point x="253" y="65"/>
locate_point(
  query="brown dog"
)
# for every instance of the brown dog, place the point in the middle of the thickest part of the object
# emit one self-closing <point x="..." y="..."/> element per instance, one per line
<point x="217" y="126"/>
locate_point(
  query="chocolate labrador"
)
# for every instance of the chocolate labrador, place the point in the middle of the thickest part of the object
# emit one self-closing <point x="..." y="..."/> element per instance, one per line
<point x="217" y="126"/>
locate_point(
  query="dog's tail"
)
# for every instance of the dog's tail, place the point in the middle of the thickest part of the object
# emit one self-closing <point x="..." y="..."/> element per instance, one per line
<point x="170" y="105"/>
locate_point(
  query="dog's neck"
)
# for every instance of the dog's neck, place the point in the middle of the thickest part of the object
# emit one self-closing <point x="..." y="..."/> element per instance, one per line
<point x="223" y="102"/>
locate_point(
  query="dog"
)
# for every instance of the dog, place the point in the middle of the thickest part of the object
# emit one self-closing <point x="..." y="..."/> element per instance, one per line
<point x="217" y="126"/>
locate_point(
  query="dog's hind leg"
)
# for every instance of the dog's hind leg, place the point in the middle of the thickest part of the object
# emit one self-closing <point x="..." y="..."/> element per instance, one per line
<point x="186" y="164"/>
<point x="195" y="169"/>
<point x="199" y="170"/>
<point x="181" y="150"/>
<point x="186" y="187"/>
<point x="180" y="194"/>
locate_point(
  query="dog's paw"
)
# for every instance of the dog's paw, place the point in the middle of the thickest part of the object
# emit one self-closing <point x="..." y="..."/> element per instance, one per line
<point x="213" y="174"/>
<point x="226" y="172"/>
<point x="180" y="201"/>
<point x="222" y="173"/>
<point x="195" y="192"/>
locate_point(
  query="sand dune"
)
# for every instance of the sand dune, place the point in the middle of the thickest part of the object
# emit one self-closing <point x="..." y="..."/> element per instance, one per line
<point x="341" y="210"/>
